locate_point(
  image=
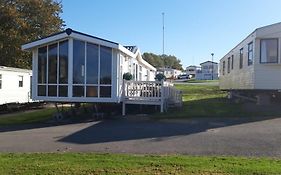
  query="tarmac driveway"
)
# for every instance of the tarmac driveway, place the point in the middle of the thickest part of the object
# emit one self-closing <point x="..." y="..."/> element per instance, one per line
<point x="244" y="137"/>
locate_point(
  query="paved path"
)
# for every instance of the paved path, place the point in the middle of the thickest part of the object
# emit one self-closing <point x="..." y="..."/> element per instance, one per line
<point x="195" y="137"/>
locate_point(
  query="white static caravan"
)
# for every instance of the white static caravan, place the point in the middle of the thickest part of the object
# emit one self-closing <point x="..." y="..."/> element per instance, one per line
<point x="75" y="67"/>
<point x="207" y="71"/>
<point x="170" y="73"/>
<point x="254" y="65"/>
<point x="15" y="85"/>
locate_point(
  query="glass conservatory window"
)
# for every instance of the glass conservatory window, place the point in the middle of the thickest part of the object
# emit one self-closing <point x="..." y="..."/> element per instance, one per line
<point x="42" y="64"/>
<point x="53" y="66"/>
<point x="105" y="65"/>
<point x="78" y="62"/>
<point x="92" y="70"/>
<point x="92" y="63"/>
<point x="63" y="62"/>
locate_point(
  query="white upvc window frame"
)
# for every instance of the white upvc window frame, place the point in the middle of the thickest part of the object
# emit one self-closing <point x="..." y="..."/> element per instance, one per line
<point x="1" y="80"/>
<point x="277" y="49"/>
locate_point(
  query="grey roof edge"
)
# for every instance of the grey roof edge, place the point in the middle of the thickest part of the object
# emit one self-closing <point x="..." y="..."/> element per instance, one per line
<point x="14" y="69"/>
<point x="208" y="61"/>
<point x="250" y="35"/>
<point x="68" y="31"/>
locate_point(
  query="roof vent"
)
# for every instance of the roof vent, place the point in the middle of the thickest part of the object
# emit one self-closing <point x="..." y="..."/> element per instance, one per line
<point x="68" y="31"/>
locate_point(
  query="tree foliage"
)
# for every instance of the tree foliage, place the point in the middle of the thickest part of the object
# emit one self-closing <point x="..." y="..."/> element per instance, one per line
<point x="23" y="21"/>
<point x="159" y="61"/>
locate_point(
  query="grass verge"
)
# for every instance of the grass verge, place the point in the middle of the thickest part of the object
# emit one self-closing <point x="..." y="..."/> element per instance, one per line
<point x="90" y="163"/>
<point x="200" y="81"/>
<point x="26" y="117"/>
<point x="209" y="101"/>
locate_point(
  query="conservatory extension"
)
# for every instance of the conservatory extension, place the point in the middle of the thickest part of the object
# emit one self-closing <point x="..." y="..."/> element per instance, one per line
<point x="71" y="66"/>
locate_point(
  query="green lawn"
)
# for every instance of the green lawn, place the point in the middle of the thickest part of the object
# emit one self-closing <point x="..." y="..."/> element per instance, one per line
<point x="208" y="101"/>
<point x="90" y="163"/>
<point x="35" y="116"/>
<point x="200" y="81"/>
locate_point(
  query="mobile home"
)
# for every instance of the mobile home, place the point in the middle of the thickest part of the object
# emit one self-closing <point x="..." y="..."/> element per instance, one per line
<point x="254" y="65"/>
<point x="71" y="66"/>
<point x="208" y="71"/>
<point x="15" y="85"/>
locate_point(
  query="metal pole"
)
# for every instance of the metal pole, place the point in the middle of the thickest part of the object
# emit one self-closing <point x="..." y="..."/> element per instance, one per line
<point x="163" y="20"/>
<point x="212" y="65"/>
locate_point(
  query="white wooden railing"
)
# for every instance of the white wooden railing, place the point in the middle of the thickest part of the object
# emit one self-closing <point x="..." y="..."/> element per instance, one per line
<point x="150" y="92"/>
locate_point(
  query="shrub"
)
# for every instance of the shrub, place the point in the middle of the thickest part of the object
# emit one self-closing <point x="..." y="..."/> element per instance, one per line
<point x="160" y="77"/>
<point x="127" y="76"/>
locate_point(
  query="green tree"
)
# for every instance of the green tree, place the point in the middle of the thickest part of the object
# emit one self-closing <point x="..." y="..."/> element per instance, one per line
<point x="23" y="21"/>
<point x="159" y="61"/>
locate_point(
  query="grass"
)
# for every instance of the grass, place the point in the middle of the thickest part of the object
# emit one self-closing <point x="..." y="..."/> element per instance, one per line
<point x="201" y="81"/>
<point x="208" y="101"/>
<point x="90" y="163"/>
<point x="26" y="117"/>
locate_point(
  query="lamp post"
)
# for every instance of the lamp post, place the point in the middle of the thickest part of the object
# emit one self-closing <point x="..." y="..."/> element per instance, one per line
<point x="163" y="28"/>
<point x="212" y="65"/>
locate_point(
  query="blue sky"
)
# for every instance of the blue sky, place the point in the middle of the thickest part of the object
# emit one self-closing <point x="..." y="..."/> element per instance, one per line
<point x="193" y="28"/>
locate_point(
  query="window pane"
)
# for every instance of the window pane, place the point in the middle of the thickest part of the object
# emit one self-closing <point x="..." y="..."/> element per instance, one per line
<point x="250" y="54"/>
<point x="63" y="63"/>
<point x="241" y="59"/>
<point x="105" y="65"/>
<point x="228" y="65"/>
<point x="41" y="90"/>
<point x="78" y="91"/>
<point x="223" y="67"/>
<point x="63" y="90"/>
<point x="232" y="61"/>
<point x="78" y="62"/>
<point x="92" y="91"/>
<point x="105" y="91"/>
<point x="42" y="64"/>
<point x="52" y="91"/>
<point x="0" y="81"/>
<point x="269" y="51"/>
<point x="52" y="66"/>
<point x="20" y="81"/>
<point x="92" y="63"/>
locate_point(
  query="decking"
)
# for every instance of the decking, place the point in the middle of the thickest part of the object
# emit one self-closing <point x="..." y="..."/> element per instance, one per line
<point x="159" y="93"/>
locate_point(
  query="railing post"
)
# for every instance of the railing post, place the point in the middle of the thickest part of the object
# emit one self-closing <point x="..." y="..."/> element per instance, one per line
<point x="162" y="96"/>
<point x="123" y="98"/>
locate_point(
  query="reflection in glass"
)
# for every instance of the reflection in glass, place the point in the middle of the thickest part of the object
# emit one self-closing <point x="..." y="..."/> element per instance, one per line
<point x="41" y="90"/>
<point x="78" y="62"/>
<point x="52" y="66"/>
<point x="52" y="91"/>
<point x="105" y="65"/>
<point x="269" y="50"/>
<point x="63" y="90"/>
<point x="42" y="64"/>
<point x="105" y="91"/>
<point x="92" y="91"/>
<point x="63" y="62"/>
<point x="92" y="63"/>
<point x="78" y="91"/>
